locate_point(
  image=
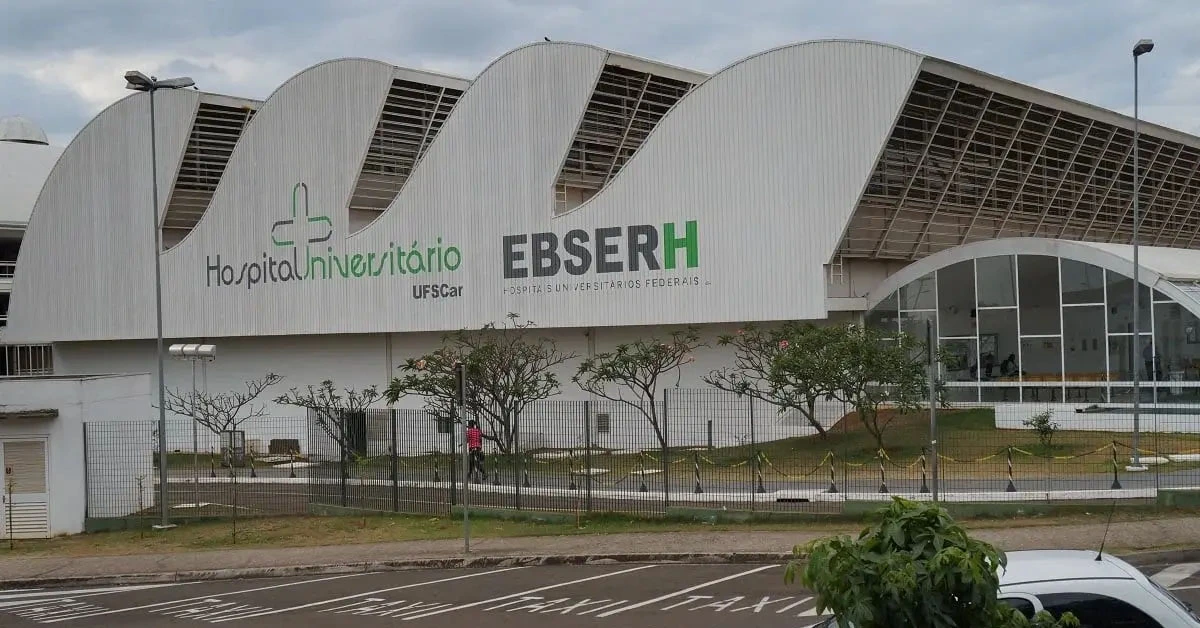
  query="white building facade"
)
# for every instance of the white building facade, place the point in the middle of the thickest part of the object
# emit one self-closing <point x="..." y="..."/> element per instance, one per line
<point x="346" y="222"/>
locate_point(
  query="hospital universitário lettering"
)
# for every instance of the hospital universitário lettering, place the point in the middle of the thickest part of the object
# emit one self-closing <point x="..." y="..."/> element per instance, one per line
<point x="309" y="265"/>
<point x="313" y="231"/>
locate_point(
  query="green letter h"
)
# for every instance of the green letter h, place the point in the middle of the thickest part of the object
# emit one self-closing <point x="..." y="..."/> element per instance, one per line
<point x="689" y="241"/>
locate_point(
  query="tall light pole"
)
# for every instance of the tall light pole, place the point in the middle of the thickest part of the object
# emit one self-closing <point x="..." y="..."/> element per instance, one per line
<point x="1142" y="47"/>
<point x="140" y="82"/>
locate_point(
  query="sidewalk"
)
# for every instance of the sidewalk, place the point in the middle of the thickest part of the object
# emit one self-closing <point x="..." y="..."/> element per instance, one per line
<point x="1123" y="538"/>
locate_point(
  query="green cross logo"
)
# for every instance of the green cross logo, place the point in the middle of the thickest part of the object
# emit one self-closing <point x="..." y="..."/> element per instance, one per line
<point x="297" y="200"/>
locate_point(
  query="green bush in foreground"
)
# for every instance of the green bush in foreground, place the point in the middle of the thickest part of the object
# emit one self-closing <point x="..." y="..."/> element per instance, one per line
<point x="917" y="568"/>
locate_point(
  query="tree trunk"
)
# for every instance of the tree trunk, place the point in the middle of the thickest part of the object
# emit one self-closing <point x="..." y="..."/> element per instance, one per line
<point x="812" y="419"/>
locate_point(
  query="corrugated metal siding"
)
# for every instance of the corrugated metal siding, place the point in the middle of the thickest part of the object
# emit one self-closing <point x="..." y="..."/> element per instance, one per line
<point x="769" y="156"/>
<point x="85" y="267"/>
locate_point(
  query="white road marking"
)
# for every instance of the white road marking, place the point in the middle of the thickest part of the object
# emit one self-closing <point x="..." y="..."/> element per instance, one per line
<point x="204" y="597"/>
<point x="38" y="593"/>
<point x="361" y="595"/>
<point x="1187" y="588"/>
<point x="527" y="593"/>
<point x="684" y="591"/>
<point x="1175" y="574"/>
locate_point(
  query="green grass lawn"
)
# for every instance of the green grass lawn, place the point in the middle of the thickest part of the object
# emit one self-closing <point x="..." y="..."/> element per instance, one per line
<point x="308" y="531"/>
<point x="969" y="443"/>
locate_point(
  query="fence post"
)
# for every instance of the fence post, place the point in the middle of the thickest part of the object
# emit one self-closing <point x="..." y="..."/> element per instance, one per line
<point x="587" y="442"/>
<point x="754" y="454"/>
<point x="696" y="467"/>
<point x="882" y="474"/>
<point x="571" y="470"/>
<point x="395" y="466"/>
<point x="516" y="419"/>
<point x="924" y="483"/>
<point x="832" y="485"/>
<point x="1116" y="485"/>
<point x="87" y="491"/>
<point x="666" y="462"/>
<point x="454" y="455"/>
<point x="642" y="472"/>
<point x="1012" y="487"/>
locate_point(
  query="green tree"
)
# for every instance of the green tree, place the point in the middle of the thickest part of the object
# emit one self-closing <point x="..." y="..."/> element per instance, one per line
<point x="916" y="567"/>
<point x="508" y="368"/>
<point x="630" y="374"/>
<point x="792" y="366"/>
<point x="341" y="414"/>
<point x="879" y="370"/>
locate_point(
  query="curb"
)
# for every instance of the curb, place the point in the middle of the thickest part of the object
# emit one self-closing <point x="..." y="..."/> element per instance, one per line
<point x="1137" y="559"/>
<point x="1157" y="558"/>
<point x="397" y="565"/>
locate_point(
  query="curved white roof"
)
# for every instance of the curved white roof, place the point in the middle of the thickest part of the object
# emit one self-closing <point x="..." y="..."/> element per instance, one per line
<point x="1174" y="272"/>
<point x="582" y="186"/>
<point x="21" y="129"/>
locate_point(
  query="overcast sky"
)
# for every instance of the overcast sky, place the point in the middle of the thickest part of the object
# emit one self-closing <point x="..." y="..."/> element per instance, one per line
<point x="61" y="61"/>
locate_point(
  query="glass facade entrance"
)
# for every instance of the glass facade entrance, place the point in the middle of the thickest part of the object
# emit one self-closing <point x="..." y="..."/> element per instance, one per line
<point x="1045" y="328"/>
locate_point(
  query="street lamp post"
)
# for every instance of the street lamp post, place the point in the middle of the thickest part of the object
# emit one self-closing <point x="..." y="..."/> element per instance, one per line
<point x="1142" y="47"/>
<point x="140" y="82"/>
<point x="203" y="354"/>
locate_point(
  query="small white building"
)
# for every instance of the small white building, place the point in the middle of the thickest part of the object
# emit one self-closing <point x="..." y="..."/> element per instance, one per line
<point x="42" y="453"/>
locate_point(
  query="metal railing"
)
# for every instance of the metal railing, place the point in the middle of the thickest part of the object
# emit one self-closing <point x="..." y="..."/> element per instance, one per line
<point x="713" y="450"/>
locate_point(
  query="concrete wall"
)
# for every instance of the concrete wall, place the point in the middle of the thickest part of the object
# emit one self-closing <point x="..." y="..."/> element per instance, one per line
<point x="1118" y="417"/>
<point x="101" y="400"/>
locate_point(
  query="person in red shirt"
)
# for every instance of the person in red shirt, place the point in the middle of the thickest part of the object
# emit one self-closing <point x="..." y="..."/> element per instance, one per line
<point x="475" y="447"/>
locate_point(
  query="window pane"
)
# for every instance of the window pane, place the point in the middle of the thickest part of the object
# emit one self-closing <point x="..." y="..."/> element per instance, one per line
<point x="1120" y="305"/>
<point x="1084" y="343"/>
<point x="1177" y="341"/>
<point x="1086" y="394"/>
<point x="913" y="324"/>
<point x="1097" y="611"/>
<point x="918" y="295"/>
<point x="965" y="394"/>
<point x="1124" y="356"/>
<point x="1039" y="294"/>
<point x="1041" y="359"/>
<point x="1082" y="283"/>
<point x="885" y="316"/>
<point x="997" y="345"/>
<point x="959" y="360"/>
<point x="996" y="281"/>
<point x="1024" y="606"/>
<point x="956" y="299"/>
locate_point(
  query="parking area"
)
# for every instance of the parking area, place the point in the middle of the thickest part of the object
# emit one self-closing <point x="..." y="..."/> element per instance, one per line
<point x="647" y="595"/>
<point x="623" y="595"/>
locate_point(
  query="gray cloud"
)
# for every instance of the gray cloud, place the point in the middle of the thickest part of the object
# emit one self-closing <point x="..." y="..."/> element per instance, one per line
<point x="1079" y="48"/>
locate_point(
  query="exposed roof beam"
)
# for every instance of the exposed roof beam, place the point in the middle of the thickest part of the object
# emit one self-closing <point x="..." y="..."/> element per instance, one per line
<point x="953" y="173"/>
<point x="1065" y="173"/>
<point x="1029" y="171"/>
<point x="916" y="169"/>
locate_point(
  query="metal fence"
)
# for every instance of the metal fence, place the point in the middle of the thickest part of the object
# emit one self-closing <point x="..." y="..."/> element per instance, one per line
<point x="712" y="450"/>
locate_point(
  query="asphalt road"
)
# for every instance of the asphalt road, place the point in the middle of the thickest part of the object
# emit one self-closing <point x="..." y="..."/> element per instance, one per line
<point x="655" y="595"/>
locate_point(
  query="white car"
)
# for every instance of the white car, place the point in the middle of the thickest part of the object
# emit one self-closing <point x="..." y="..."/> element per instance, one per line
<point x="1105" y="593"/>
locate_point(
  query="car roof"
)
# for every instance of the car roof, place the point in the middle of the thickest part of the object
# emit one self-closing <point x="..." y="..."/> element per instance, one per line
<point x="1047" y="565"/>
